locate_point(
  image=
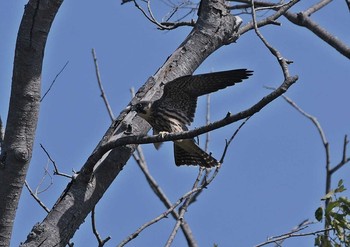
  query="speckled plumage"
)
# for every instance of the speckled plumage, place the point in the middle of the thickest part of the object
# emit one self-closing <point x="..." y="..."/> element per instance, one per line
<point x="175" y="109"/>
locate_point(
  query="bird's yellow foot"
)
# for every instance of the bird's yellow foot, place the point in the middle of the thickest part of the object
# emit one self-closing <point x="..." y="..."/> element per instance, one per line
<point x="163" y="133"/>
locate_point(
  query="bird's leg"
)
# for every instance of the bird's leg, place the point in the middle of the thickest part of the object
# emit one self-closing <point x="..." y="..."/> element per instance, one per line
<point x="163" y="133"/>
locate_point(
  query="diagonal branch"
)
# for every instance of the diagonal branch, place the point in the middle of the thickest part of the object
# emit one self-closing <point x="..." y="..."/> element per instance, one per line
<point x="101" y="242"/>
<point x="140" y="160"/>
<point x="35" y="196"/>
<point x="183" y="210"/>
<point x="103" y="95"/>
<point x="301" y="19"/>
<point x="54" y="80"/>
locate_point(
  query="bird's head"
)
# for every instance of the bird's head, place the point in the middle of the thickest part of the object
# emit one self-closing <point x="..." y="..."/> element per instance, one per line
<point x="143" y="109"/>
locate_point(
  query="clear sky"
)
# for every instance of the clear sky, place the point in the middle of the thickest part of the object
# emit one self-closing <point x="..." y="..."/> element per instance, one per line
<point x="274" y="173"/>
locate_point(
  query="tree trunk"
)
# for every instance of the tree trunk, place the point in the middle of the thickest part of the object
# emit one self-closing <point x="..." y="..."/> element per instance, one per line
<point x="23" y="112"/>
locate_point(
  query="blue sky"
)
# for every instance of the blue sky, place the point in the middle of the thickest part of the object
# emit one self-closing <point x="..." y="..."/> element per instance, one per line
<point x="274" y="173"/>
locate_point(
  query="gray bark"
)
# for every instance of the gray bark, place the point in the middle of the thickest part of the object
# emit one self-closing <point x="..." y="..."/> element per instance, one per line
<point x="24" y="105"/>
<point x="215" y="27"/>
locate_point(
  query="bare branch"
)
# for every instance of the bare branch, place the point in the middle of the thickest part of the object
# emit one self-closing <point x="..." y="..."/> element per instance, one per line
<point x="269" y="20"/>
<point x="150" y="15"/>
<point x="302" y="19"/>
<point x="207" y="121"/>
<point x="183" y="210"/>
<point x="35" y="196"/>
<point x="54" y="80"/>
<point x="231" y="139"/>
<point x="56" y="171"/>
<point x="173" y="25"/>
<point x="281" y="60"/>
<point x="324" y="141"/>
<point x="161" y="216"/>
<point x="103" y="95"/>
<point x="316" y="7"/>
<point x="292" y="235"/>
<point x="140" y="160"/>
<point x="101" y="242"/>
<point x="1" y="133"/>
<point x="344" y="160"/>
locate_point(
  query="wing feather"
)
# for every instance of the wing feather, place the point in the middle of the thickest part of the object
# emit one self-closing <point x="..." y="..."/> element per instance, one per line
<point x="181" y="93"/>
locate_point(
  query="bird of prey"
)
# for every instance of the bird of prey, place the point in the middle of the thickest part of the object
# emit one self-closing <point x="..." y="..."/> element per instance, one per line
<point x="175" y="109"/>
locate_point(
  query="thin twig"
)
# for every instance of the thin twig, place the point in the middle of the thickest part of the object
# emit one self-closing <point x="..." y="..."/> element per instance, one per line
<point x="161" y="216"/>
<point x="281" y="60"/>
<point x="46" y="173"/>
<point x="207" y="121"/>
<point x="231" y="139"/>
<point x="140" y="160"/>
<point x="316" y="7"/>
<point x="103" y="95"/>
<point x="183" y="210"/>
<point x="292" y="235"/>
<point x="270" y="19"/>
<point x="323" y="138"/>
<point x="101" y="242"/>
<point x="1" y="133"/>
<point x="344" y="159"/>
<point x="36" y="197"/>
<point x="56" y="171"/>
<point x="301" y="19"/>
<point x="54" y="80"/>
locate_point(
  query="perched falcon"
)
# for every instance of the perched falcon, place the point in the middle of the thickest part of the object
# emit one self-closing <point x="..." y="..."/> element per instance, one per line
<point x="176" y="108"/>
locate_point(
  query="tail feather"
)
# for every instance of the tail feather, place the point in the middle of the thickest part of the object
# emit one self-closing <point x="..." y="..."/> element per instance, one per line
<point x="187" y="152"/>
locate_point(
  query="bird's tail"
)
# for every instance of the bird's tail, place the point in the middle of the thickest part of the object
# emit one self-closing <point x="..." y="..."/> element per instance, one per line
<point x="187" y="152"/>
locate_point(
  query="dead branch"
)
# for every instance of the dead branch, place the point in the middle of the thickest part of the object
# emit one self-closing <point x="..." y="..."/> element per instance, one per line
<point x="101" y="242"/>
<point x="54" y="80"/>
<point x="55" y="171"/>
<point x="103" y="94"/>
<point x="292" y="235"/>
<point x="301" y="19"/>
<point x="183" y="210"/>
<point x="161" y="216"/>
<point x="140" y="160"/>
<point x="35" y="196"/>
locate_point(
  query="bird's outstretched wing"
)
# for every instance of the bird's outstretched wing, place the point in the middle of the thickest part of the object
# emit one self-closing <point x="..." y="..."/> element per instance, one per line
<point x="198" y="85"/>
<point x="180" y="95"/>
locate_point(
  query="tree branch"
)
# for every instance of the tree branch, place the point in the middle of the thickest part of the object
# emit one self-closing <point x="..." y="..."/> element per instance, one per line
<point x="35" y="196"/>
<point x="292" y="235"/>
<point x="54" y="80"/>
<point x="103" y="95"/>
<point x="101" y="242"/>
<point x="140" y="160"/>
<point x="183" y="210"/>
<point x="301" y="19"/>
